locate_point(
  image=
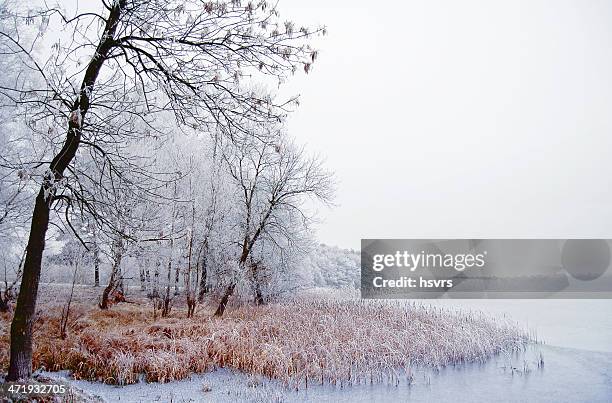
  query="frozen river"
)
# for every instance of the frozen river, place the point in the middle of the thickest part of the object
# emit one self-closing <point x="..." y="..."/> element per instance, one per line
<point x="584" y="324"/>
<point x="573" y="365"/>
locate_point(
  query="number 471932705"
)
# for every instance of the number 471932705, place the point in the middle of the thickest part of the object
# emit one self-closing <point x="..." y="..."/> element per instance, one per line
<point x="36" y="389"/>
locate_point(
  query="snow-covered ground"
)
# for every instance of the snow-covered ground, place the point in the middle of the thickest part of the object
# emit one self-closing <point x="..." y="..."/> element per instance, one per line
<point x="577" y="367"/>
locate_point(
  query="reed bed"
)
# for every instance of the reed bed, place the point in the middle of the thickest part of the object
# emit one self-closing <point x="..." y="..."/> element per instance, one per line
<point x="300" y="342"/>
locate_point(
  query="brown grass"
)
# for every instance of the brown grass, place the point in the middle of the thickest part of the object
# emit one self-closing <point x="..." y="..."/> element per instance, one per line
<point x="297" y="342"/>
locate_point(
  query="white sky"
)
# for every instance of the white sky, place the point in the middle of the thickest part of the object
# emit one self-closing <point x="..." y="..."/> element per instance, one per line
<point x="461" y="118"/>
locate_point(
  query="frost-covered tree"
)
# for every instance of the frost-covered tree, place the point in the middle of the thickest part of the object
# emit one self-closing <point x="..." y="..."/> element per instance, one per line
<point x="17" y="150"/>
<point x="111" y="76"/>
<point x="273" y="179"/>
<point x="331" y="267"/>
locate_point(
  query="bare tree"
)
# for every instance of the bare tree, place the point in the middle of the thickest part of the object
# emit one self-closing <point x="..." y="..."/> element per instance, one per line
<point x="190" y="283"/>
<point x="78" y="254"/>
<point x="96" y="256"/>
<point x="15" y="187"/>
<point x="167" y="307"/>
<point x="118" y="250"/>
<point x="273" y="179"/>
<point x="203" y="258"/>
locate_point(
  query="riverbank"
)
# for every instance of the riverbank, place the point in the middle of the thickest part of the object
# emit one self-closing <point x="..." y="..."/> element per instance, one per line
<point x="302" y="341"/>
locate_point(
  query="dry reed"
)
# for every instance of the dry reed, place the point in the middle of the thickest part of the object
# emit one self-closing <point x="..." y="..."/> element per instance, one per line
<point x="299" y="342"/>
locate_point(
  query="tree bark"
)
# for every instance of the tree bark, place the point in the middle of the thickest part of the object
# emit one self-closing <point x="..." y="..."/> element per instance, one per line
<point x="203" y="285"/>
<point x="167" y="300"/>
<point x="4" y="303"/>
<point x="115" y="278"/>
<point x="155" y="289"/>
<point x="202" y="268"/>
<point x="20" y="366"/>
<point x="105" y="296"/>
<point x="247" y="247"/>
<point x="223" y="303"/>
<point x="96" y="267"/>
<point x="143" y="279"/>
<point x="176" y="279"/>
<point x="230" y="289"/>
<point x="147" y="276"/>
<point x="259" y="299"/>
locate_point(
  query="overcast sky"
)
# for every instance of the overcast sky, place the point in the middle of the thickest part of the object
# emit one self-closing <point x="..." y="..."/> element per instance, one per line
<point x="461" y="118"/>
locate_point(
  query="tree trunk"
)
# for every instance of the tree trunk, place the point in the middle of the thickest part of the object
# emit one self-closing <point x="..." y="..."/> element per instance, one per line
<point x="4" y="303"/>
<point x="21" y="328"/>
<point x="96" y="267"/>
<point x="176" y="279"/>
<point x="20" y="366"/>
<point x="191" y="306"/>
<point x="223" y="303"/>
<point x="259" y="300"/>
<point x="230" y="289"/>
<point x="115" y="277"/>
<point x="203" y="285"/>
<point x="143" y="279"/>
<point x="148" y="276"/>
<point x="120" y="285"/>
<point x="167" y="300"/>
<point x="155" y="289"/>
<point x="105" y="295"/>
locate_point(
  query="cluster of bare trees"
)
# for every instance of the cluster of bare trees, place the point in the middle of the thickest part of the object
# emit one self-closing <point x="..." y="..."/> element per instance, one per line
<point x="143" y="129"/>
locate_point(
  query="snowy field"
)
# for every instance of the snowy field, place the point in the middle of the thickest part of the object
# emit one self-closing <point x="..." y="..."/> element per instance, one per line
<point x="574" y="365"/>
